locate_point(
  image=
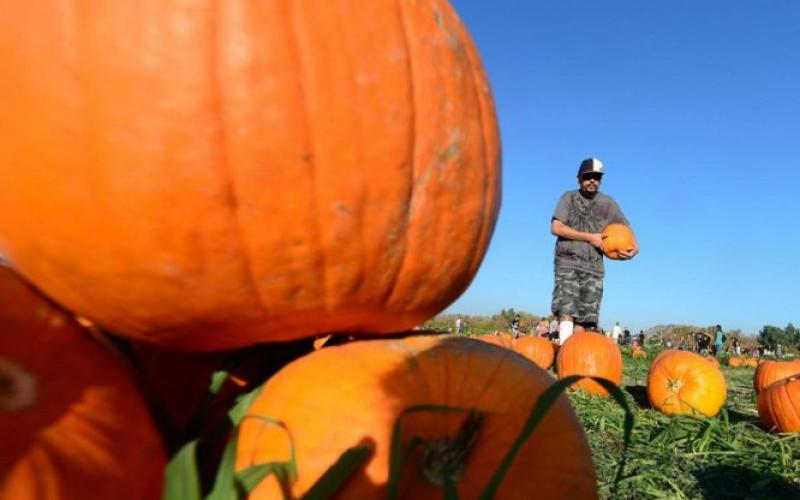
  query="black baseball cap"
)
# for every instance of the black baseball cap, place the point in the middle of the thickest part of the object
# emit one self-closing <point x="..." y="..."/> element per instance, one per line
<point x="591" y="166"/>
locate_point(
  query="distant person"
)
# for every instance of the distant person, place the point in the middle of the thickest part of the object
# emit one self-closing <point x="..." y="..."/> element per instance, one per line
<point x="626" y="337"/>
<point x="682" y="343"/>
<point x="702" y="340"/>
<point x="578" y="221"/>
<point x="515" y="326"/>
<point x="542" y="328"/>
<point x="458" y="325"/>
<point x="616" y="331"/>
<point x="737" y="349"/>
<point x="641" y="338"/>
<point x="668" y="343"/>
<point x="719" y="340"/>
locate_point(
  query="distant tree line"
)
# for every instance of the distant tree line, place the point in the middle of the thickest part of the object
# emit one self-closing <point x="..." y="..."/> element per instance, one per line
<point x="770" y="336"/>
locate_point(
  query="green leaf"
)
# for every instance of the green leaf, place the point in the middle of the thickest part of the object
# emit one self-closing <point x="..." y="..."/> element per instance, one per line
<point x="285" y="472"/>
<point x="540" y="409"/>
<point x="243" y="402"/>
<point x="218" y="378"/>
<point x="225" y="481"/>
<point x="182" y="479"/>
<point x="327" y="485"/>
<point x="252" y="476"/>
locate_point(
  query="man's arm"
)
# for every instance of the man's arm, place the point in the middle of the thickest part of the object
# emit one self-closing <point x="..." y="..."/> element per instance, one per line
<point x="562" y="230"/>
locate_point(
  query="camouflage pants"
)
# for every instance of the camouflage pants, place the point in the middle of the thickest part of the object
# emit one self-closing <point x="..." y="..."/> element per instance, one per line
<point x="577" y="294"/>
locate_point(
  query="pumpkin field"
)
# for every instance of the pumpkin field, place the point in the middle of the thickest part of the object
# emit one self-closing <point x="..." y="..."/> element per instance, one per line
<point x="224" y="227"/>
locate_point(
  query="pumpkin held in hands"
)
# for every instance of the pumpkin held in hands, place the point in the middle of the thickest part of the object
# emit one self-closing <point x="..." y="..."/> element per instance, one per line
<point x="684" y="383"/>
<point x="72" y="422"/>
<point x="617" y="238"/>
<point x="343" y="396"/>
<point x="219" y="174"/>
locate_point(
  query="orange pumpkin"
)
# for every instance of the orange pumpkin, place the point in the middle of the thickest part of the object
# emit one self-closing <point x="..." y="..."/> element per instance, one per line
<point x="735" y="361"/>
<point x="712" y="360"/>
<point x="72" y="422"/>
<point x="751" y="362"/>
<point x="537" y="349"/>
<point x="683" y="383"/>
<point x="590" y="354"/>
<point x="769" y="372"/>
<point x="638" y="353"/>
<point x="503" y="340"/>
<point x="340" y="396"/>
<point x="779" y="405"/>
<point x="302" y="170"/>
<point x="617" y="238"/>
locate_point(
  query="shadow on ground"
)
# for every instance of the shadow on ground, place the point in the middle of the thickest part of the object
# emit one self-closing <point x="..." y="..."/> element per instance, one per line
<point x="726" y="481"/>
<point x="639" y="393"/>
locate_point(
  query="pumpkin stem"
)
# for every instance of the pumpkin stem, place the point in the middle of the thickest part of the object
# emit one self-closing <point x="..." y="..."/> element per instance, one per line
<point x="17" y="387"/>
<point x="675" y="385"/>
<point x="447" y="457"/>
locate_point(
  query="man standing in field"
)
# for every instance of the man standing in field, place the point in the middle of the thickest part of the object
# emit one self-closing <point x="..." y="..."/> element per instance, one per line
<point x="578" y="222"/>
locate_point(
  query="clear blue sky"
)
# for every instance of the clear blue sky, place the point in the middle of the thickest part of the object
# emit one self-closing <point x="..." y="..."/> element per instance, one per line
<point x="694" y="108"/>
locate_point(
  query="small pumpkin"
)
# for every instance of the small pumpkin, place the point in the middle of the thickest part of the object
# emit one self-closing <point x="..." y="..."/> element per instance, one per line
<point x="751" y="362"/>
<point x="735" y="361"/>
<point x="684" y="383"/>
<point x="779" y="405"/>
<point x="617" y="238"/>
<point x="72" y="421"/>
<point x="537" y="349"/>
<point x="590" y="354"/>
<point x="638" y="353"/>
<point x="340" y="396"/>
<point x="769" y="372"/>
<point x="297" y="174"/>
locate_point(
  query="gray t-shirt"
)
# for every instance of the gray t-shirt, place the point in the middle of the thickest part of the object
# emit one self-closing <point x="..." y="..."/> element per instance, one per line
<point x="586" y="215"/>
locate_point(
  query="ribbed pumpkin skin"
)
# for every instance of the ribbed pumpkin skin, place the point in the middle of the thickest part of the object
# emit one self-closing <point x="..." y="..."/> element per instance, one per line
<point x="341" y="396"/>
<point x="590" y="354"/>
<point x="684" y="383"/>
<point x="779" y="406"/>
<point x="208" y="175"/>
<point x="85" y="431"/>
<point x="769" y="372"/>
<point x="617" y="237"/>
<point x="537" y="349"/>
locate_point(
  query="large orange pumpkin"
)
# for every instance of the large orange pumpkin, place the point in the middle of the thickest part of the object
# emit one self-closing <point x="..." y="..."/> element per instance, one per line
<point x="215" y="174"/>
<point x="616" y="238"/>
<point x="72" y="422"/>
<point x="770" y="372"/>
<point x="537" y="349"/>
<point x="342" y="396"/>
<point x="590" y="354"/>
<point x="682" y="382"/>
<point x="779" y="405"/>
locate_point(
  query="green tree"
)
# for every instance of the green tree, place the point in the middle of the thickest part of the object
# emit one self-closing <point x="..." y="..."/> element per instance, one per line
<point x="771" y="336"/>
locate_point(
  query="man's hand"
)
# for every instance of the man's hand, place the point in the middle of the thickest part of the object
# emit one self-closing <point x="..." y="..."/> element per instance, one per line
<point x="596" y="240"/>
<point x="630" y="253"/>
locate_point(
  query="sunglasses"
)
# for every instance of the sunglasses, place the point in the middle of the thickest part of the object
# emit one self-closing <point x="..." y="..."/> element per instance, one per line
<point x="592" y="177"/>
